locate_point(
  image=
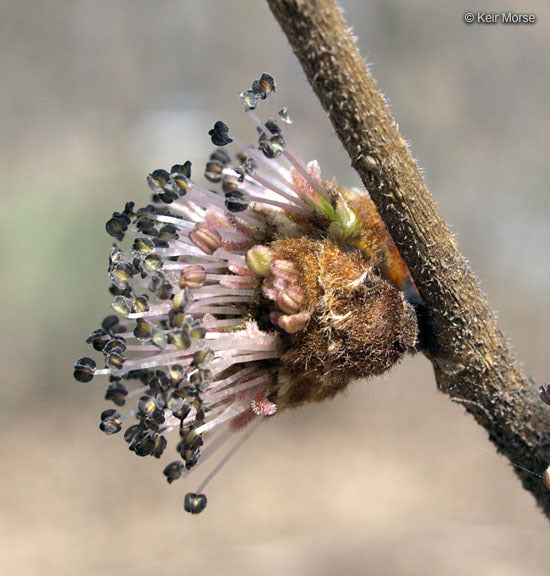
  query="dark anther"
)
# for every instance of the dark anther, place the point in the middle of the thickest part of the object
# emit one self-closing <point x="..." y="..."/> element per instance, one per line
<point x="159" y="337"/>
<point x="159" y="382"/>
<point x="230" y="183"/>
<point x="115" y="361"/>
<point x="196" y="331"/>
<point x="158" y="181"/>
<point x="213" y="171"/>
<point x="143" y="446"/>
<point x="98" y="338"/>
<point x="144" y="222"/>
<point x="201" y="379"/>
<point x="183" y="169"/>
<point x="250" y="98"/>
<point x="110" y="421"/>
<point x="173" y="471"/>
<point x="220" y="155"/>
<point x="151" y="264"/>
<point x="159" y="446"/>
<point x="176" y="404"/>
<point x="122" y="305"/>
<point x="84" y="369"/>
<point x="117" y="225"/>
<point x="131" y="433"/>
<point x="191" y="440"/>
<point x="117" y="256"/>
<point x="129" y="209"/>
<point x="220" y="134"/>
<point x="112" y="323"/>
<point x="267" y="83"/>
<point x="142" y="331"/>
<point x="151" y="410"/>
<point x="176" y="373"/>
<point x="141" y="303"/>
<point x="168" y="196"/>
<point x="181" y="300"/>
<point x="191" y="458"/>
<point x="168" y="232"/>
<point x="118" y="292"/>
<point x="142" y="247"/>
<point x="146" y="225"/>
<point x="272" y="126"/>
<point x="272" y="147"/>
<point x="180" y="175"/>
<point x="120" y="274"/>
<point x="164" y="291"/>
<point x="116" y="344"/>
<point x="194" y="503"/>
<point x="155" y="281"/>
<point x="235" y="202"/>
<point x="116" y="393"/>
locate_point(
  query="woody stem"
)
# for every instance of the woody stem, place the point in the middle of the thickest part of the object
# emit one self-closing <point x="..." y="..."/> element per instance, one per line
<point x="471" y="359"/>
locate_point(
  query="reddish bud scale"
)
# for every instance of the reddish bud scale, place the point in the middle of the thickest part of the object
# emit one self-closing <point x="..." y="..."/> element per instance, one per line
<point x="374" y="240"/>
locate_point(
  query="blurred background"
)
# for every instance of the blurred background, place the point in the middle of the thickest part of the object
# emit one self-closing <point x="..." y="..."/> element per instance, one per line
<point x="388" y="479"/>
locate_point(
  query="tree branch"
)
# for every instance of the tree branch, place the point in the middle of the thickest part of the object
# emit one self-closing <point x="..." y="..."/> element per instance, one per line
<point x="471" y="359"/>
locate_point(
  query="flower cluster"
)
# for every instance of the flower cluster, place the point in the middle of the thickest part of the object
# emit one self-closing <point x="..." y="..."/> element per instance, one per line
<point x="271" y="289"/>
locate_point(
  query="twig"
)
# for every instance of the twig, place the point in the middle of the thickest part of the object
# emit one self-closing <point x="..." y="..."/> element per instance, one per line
<point x="468" y="351"/>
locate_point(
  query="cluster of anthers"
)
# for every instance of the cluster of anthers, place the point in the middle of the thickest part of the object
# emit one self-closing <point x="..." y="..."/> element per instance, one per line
<point x="274" y="289"/>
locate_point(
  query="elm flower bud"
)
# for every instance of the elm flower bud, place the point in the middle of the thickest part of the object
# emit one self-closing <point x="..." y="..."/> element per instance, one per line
<point x="272" y="290"/>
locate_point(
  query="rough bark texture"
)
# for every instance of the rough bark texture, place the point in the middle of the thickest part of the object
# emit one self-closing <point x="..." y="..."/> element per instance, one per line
<point x="472" y="361"/>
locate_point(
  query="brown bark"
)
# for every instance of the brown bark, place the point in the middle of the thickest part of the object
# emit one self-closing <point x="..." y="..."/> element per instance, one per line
<point x="471" y="358"/>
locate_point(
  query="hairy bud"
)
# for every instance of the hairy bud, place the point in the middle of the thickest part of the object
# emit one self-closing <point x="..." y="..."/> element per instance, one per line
<point x="360" y="325"/>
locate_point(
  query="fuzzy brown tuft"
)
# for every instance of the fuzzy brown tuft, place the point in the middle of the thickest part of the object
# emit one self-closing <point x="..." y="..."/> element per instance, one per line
<point x="361" y="324"/>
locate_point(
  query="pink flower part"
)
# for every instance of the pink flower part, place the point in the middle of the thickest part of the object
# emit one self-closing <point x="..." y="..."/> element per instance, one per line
<point x="238" y="226"/>
<point x="239" y="282"/>
<point x="240" y="270"/>
<point x="215" y="219"/>
<point x="236" y="245"/>
<point x="284" y="270"/>
<point x="304" y="187"/>
<point x="292" y="323"/>
<point x="261" y="406"/>
<point x="280" y="285"/>
<point x="205" y="238"/>
<point x="241" y="421"/>
<point x="252" y="331"/>
<point x="269" y="291"/>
